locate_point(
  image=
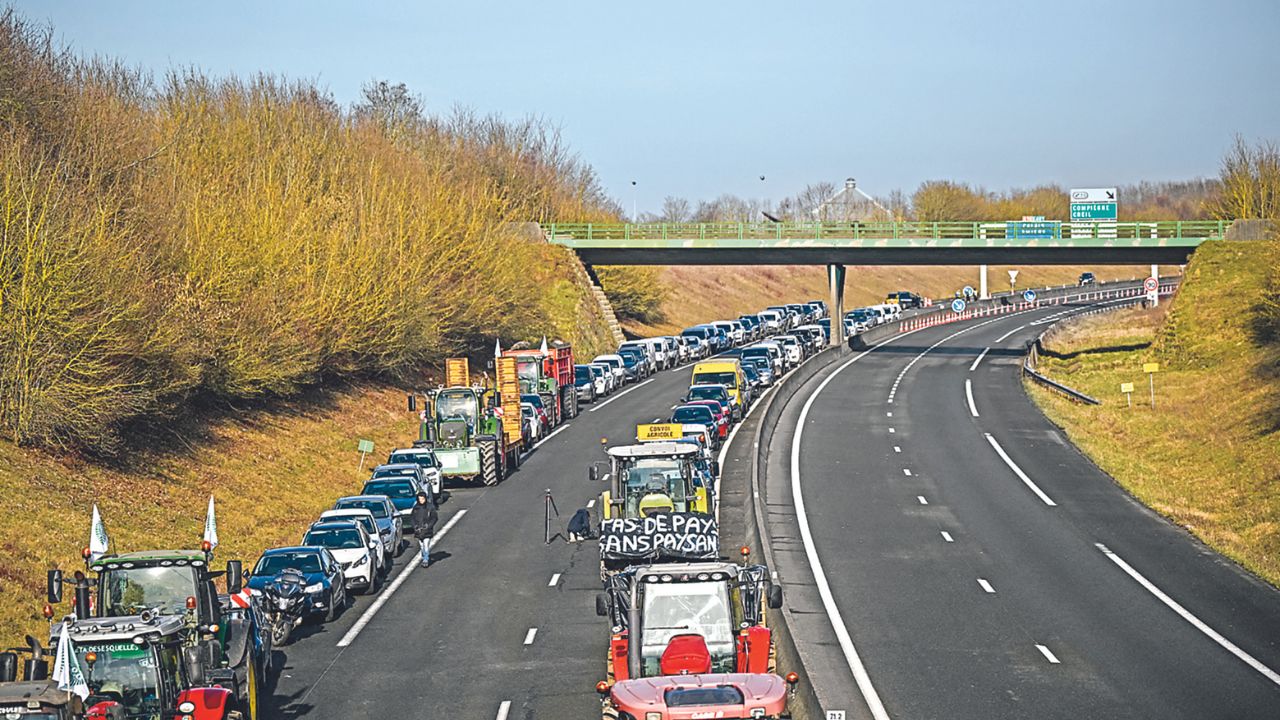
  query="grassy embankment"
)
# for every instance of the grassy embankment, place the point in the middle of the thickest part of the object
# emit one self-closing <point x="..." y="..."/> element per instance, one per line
<point x="177" y="251"/>
<point x="697" y="294"/>
<point x="1208" y="456"/>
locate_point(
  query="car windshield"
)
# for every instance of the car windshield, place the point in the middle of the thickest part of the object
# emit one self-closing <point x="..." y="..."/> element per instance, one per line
<point x="706" y="392"/>
<point x="526" y="411"/>
<point x="582" y="374"/>
<point x="528" y="368"/>
<point x="698" y="608"/>
<point x="422" y="459"/>
<point x="365" y="521"/>
<point x="692" y="415"/>
<point x="534" y="400"/>
<point x="390" y="488"/>
<point x="750" y="372"/>
<point x="126" y="673"/>
<point x="629" y="359"/>
<point x="379" y="509"/>
<point x="271" y="565"/>
<point x="129" y="591"/>
<point x="727" y="379"/>
<point x="457" y="405"/>
<point x="334" y="539"/>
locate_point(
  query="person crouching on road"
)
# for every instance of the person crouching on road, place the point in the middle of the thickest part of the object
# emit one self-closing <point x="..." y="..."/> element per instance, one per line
<point x="427" y="528"/>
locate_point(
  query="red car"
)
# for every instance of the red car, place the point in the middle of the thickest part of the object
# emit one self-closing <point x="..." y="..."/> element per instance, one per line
<point x="732" y="696"/>
<point x="722" y="414"/>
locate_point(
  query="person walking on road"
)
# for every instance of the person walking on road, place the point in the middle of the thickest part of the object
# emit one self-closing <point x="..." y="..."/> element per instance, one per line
<point x="427" y="528"/>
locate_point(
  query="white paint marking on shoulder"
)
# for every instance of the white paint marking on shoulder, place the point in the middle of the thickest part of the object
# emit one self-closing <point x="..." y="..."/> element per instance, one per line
<point x="897" y="449"/>
<point x="1048" y="655"/>
<point x="591" y="503"/>
<point x="888" y="414"/>
<point x="1018" y="471"/>
<point x="968" y="393"/>
<point x="922" y="500"/>
<point x="981" y="355"/>
<point x="906" y="471"/>
<point x="892" y="430"/>
<point x="395" y="585"/>
<point x="624" y="392"/>
<point x="1005" y="336"/>
<point x="946" y="536"/>
<point x="503" y="710"/>
<point x="986" y="586"/>
<point x="554" y="433"/>
<point x="529" y="636"/>
<point x="1185" y="614"/>
<point x="554" y="579"/>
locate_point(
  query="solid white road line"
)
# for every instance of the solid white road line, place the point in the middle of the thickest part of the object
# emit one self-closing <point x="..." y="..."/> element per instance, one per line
<point x="724" y="448"/>
<point x="624" y="392"/>
<point x="529" y="636"/>
<point x="1018" y="471"/>
<point x="503" y="710"/>
<point x="554" y="579"/>
<point x="1173" y="605"/>
<point x="395" y="585"/>
<point x="968" y="393"/>
<point x="981" y="355"/>
<point x="922" y="500"/>
<point x="838" y="626"/>
<point x="986" y="586"/>
<point x="946" y="536"/>
<point x="1006" y="335"/>
<point x="1047" y="654"/>
<point x="554" y="433"/>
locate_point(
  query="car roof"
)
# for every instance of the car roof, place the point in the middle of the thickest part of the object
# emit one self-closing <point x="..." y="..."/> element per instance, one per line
<point x="719" y="386"/>
<point x="334" y="525"/>
<point x="292" y="550"/>
<point x="396" y="466"/>
<point x="363" y="498"/>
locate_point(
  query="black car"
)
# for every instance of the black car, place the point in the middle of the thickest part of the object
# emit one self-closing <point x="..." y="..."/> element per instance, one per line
<point x="412" y="502"/>
<point x="905" y="299"/>
<point x="1087" y="278"/>
<point x="326" y="585"/>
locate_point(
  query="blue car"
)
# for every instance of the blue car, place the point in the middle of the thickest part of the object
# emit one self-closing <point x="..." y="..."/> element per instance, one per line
<point x="326" y="589"/>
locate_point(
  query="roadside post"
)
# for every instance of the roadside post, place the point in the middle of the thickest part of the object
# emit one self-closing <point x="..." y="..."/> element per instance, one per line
<point x="1152" y="286"/>
<point x="1127" y="389"/>
<point x="1151" y="369"/>
<point x="549" y="507"/>
<point x="1013" y="280"/>
<point x="365" y="447"/>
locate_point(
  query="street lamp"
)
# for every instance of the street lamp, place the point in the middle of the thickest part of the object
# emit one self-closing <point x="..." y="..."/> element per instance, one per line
<point x="634" y="217"/>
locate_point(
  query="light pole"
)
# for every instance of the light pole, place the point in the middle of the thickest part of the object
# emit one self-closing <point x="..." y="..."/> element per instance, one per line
<point x="634" y="217"/>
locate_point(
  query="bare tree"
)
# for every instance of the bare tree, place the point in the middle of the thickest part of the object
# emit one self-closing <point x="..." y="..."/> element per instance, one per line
<point x="391" y="106"/>
<point x="675" y="210"/>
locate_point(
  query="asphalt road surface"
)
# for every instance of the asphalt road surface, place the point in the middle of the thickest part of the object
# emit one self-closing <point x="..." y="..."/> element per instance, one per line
<point x="978" y="566"/>
<point x="501" y="625"/>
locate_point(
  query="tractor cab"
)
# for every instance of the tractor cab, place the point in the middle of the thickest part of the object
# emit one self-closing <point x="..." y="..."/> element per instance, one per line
<point x="457" y="413"/>
<point x="654" y="478"/>
<point x="34" y="695"/>
<point x="689" y="618"/>
<point x="136" y="667"/>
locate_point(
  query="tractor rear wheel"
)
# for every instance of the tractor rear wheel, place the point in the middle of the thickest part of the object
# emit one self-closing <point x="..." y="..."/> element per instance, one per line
<point x="570" y="402"/>
<point x="489" y="469"/>
<point x="249" y="705"/>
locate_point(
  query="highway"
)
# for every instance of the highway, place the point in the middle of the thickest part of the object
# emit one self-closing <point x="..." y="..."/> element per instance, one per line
<point x="500" y="625"/>
<point x="972" y="564"/>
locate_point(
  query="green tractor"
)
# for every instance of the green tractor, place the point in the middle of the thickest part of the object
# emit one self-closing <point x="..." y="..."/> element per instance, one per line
<point x="223" y="639"/>
<point x="468" y="437"/>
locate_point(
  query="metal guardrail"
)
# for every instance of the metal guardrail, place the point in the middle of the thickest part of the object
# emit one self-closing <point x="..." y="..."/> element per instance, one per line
<point x="889" y="234"/>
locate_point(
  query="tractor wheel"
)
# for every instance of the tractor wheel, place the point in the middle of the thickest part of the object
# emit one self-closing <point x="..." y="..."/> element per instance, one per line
<point x="489" y="462"/>
<point x="570" y="402"/>
<point x="249" y="705"/>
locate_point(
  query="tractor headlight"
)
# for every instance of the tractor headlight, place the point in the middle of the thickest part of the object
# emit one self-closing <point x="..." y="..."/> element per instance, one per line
<point x="186" y="706"/>
<point x="317" y="587"/>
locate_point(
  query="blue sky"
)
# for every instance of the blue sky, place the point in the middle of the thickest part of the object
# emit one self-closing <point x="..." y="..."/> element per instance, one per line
<point x="697" y="98"/>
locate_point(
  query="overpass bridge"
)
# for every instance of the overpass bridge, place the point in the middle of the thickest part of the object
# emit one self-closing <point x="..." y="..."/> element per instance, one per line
<point x="885" y="243"/>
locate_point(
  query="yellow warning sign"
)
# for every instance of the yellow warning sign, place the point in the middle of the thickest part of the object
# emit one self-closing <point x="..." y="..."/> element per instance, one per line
<point x="659" y="431"/>
<point x="1150" y="367"/>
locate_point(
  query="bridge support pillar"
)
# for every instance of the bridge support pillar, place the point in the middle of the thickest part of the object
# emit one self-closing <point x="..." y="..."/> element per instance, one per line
<point x="835" y="278"/>
<point x="982" y="283"/>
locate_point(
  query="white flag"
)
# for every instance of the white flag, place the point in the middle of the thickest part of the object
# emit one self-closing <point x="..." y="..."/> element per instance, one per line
<point x="98" y="541"/>
<point x="66" y="666"/>
<point x="211" y="526"/>
<point x="497" y="348"/>
<point x="543" y="349"/>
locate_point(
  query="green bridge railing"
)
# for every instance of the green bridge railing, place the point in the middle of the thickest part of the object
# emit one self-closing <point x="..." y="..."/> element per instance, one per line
<point x="976" y="232"/>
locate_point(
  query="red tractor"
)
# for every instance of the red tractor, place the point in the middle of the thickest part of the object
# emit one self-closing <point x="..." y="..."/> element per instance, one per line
<point x="732" y="696"/>
<point x="548" y="373"/>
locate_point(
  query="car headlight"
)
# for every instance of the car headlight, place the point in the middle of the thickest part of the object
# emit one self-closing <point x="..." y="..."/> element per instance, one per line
<point x="363" y="560"/>
<point x="317" y="587"/>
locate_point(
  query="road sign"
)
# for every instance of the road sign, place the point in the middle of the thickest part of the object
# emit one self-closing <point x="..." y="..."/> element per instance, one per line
<point x="1031" y="230"/>
<point x="1013" y="276"/>
<point x="835" y="715"/>
<point x="1150" y="367"/>
<point x="1126" y="387"/>
<point x="659" y="431"/>
<point x="1093" y="204"/>
<point x="1150" y="284"/>
<point x="1029" y="295"/>
<point x="957" y="305"/>
<point x="364" y="447"/>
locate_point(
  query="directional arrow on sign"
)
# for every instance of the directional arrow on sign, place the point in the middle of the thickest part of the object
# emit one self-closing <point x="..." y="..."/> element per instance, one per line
<point x="1111" y="195"/>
